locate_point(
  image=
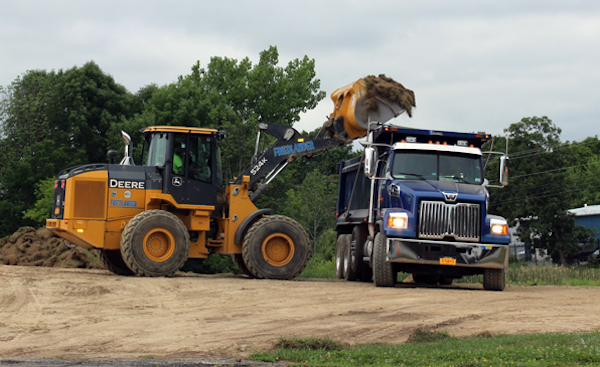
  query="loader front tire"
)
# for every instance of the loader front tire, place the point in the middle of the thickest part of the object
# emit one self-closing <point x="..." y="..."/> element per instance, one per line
<point x="155" y="243"/>
<point x="276" y="247"/>
<point x="113" y="261"/>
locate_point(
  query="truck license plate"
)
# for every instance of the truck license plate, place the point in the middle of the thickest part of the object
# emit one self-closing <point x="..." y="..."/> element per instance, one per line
<point x="447" y="261"/>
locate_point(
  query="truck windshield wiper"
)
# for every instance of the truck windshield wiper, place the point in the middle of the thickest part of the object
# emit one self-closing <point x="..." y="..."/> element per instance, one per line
<point x="412" y="174"/>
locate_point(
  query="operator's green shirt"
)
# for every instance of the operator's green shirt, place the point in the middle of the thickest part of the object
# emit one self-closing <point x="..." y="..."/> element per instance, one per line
<point x="177" y="165"/>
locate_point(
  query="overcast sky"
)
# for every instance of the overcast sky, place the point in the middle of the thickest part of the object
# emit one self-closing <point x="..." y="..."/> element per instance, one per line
<point x="473" y="65"/>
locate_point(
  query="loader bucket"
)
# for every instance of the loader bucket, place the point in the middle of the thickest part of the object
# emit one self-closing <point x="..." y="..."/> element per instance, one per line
<point x="372" y="99"/>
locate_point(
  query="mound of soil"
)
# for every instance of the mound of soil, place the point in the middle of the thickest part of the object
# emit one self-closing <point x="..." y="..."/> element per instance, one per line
<point x="391" y="90"/>
<point x="41" y="247"/>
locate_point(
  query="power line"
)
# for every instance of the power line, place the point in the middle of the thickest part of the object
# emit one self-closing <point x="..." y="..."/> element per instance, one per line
<point x="553" y="191"/>
<point x="550" y="183"/>
<point x="554" y="170"/>
<point x="536" y="197"/>
<point x="535" y="152"/>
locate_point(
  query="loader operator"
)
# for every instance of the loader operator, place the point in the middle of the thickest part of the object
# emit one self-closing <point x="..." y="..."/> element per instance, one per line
<point x="177" y="161"/>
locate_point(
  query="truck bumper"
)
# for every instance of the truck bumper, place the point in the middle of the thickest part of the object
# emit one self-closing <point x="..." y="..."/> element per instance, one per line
<point x="457" y="254"/>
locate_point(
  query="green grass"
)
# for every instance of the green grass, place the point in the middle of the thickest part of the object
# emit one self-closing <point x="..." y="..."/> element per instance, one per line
<point x="516" y="274"/>
<point x="433" y="348"/>
<point x="318" y="268"/>
<point x="523" y="274"/>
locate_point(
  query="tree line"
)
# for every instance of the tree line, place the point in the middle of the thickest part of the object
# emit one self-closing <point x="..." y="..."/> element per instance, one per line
<point x="51" y="120"/>
<point x="548" y="176"/>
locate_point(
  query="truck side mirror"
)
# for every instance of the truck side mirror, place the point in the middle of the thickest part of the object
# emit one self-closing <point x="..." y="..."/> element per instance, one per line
<point x="503" y="170"/>
<point x="370" y="154"/>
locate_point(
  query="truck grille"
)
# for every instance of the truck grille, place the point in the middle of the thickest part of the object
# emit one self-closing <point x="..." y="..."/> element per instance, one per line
<point x="438" y="219"/>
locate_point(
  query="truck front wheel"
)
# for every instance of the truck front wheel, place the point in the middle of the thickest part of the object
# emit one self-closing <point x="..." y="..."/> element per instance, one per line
<point x="494" y="279"/>
<point x="384" y="274"/>
<point x="276" y="247"/>
<point x="340" y="251"/>
<point x="155" y="243"/>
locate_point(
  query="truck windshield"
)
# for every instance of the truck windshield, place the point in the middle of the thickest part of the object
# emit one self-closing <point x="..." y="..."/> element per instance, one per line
<point x="437" y="166"/>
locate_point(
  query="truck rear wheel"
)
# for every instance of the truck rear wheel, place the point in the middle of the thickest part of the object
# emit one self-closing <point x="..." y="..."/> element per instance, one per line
<point x="276" y="247"/>
<point x="113" y="261"/>
<point x="494" y="279"/>
<point x="384" y="274"/>
<point x="340" y="251"/>
<point x="155" y="243"/>
<point x="350" y="266"/>
<point x="354" y="253"/>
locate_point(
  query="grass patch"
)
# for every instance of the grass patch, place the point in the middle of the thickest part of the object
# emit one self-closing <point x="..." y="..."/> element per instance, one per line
<point x="317" y="268"/>
<point x="309" y="344"/>
<point x="547" y="349"/>
<point x="427" y="336"/>
<point x="524" y="274"/>
<point x="520" y="273"/>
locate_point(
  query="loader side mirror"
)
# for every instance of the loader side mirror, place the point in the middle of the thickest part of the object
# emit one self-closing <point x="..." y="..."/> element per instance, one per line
<point x="370" y="158"/>
<point x="503" y="170"/>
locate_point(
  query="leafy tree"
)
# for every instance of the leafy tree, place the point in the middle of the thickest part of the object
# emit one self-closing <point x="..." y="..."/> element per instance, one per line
<point x="312" y="204"/>
<point x="50" y="121"/>
<point x="42" y="208"/>
<point x="233" y="96"/>
<point x="540" y="189"/>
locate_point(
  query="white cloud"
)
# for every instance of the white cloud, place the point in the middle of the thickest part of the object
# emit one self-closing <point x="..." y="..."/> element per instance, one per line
<point x="473" y="65"/>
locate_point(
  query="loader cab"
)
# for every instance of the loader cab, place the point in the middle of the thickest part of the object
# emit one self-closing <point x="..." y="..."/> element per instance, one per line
<point x="188" y="161"/>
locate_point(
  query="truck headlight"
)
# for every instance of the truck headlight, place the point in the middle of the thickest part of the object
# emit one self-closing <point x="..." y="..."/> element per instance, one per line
<point x="398" y="220"/>
<point x="499" y="227"/>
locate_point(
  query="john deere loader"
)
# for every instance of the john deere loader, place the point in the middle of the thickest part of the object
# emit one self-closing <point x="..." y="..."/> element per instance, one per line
<point x="148" y="219"/>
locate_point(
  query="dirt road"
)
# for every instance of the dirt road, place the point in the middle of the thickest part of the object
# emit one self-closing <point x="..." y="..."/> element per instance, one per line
<point x="72" y="313"/>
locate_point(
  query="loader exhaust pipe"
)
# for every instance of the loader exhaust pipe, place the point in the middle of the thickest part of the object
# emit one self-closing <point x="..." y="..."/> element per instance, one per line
<point x="127" y="159"/>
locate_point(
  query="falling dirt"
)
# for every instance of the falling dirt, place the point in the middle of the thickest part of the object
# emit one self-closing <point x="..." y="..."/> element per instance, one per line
<point x="389" y="89"/>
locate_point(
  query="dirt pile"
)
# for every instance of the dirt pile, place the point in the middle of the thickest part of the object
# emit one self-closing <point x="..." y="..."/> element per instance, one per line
<point x="389" y="89"/>
<point x="30" y="247"/>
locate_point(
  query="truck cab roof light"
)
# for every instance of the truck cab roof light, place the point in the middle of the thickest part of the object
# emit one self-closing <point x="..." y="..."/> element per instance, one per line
<point x="445" y="143"/>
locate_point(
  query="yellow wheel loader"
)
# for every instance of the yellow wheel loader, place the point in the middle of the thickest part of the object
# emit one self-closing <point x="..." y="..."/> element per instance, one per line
<point x="149" y="219"/>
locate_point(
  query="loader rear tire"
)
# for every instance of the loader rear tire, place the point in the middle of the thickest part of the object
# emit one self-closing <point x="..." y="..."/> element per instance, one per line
<point x="276" y="247"/>
<point x="155" y="243"/>
<point x="384" y="274"/>
<point x="113" y="261"/>
<point x="340" y="251"/>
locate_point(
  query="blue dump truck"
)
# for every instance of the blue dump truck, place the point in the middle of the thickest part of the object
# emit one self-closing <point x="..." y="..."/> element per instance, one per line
<point x="417" y="201"/>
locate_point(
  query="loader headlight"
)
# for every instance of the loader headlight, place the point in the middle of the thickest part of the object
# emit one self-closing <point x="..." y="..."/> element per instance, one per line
<point x="499" y="227"/>
<point x="398" y="220"/>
